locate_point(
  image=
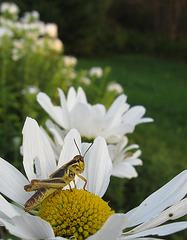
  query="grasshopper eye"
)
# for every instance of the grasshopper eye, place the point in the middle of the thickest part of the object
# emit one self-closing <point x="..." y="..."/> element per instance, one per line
<point x="80" y="159"/>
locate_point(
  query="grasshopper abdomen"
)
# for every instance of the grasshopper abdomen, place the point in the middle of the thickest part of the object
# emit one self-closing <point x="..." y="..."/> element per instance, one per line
<point x="38" y="197"/>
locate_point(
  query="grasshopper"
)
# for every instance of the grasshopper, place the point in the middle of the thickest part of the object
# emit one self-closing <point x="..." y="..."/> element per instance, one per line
<point x="57" y="180"/>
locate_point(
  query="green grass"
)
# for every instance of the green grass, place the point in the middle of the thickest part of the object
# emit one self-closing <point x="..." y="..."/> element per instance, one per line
<point x="159" y="85"/>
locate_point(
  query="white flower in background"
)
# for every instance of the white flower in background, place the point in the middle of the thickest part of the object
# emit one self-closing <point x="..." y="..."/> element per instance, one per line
<point x="30" y="17"/>
<point x="123" y="159"/>
<point x="12" y="8"/>
<point x="165" y="204"/>
<point x="51" y="30"/>
<point x="115" y="87"/>
<point x="30" y="27"/>
<point x="69" y="73"/>
<point x="35" y="14"/>
<point x="93" y="120"/>
<point x="5" y="32"/>
<point x="7" y="23"/>
<point x="15" y="54"/>
<point x="96" y="72"/>
<point x="85" y="80"/>
<point x="18" y="50"/>
<point x="40" y="43"/>
<point x="55" y="45"/>
<point x="31" y="89"/>
<point x="18" y="43"/>
<point x="72" y="75"/>
<point x="69" y="61"/>
<point x="32" y="30"/>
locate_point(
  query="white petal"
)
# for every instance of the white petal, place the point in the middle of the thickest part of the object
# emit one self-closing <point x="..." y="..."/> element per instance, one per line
<point x="29" y="227"/>
<point x="134" y="116"/>
<point x="111" y="229"/>
<point x="71" y="98"/>
<point x="7" y="208"/>
<point x="95" y="122"/>
<point x="121" y="145"/>
<point x="64" y="110"/>
<point x="176" y="211"/>
<point x="12" y="182"/>
<point x="124" y="170"/>
<point x="55" y="147"/>
<point x="19" y="210"/>
<point x="119" y="103"/>
<point x="55" y="112"/>
<point x="147" y="238"/>
<point x="37" y="151"/>
<point x="81" y="95"/>
<point x="166" y="196"/>
<point x="57" y="238"/>
<point x="134" y="162"/>
<point x="137" y="154"/>
<point x="117" y="131"/>
<point x="160" y="231"/>
<point x="79" y="112"/>
<point x="58" y="135"/>
<point x="98" y="167"/>
<point x="69" y="150"/>
<point x="130" y="147"/>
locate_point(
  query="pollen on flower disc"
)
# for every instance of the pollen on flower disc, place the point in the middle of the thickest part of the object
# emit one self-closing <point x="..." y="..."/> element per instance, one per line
<point x="75" y="213"/>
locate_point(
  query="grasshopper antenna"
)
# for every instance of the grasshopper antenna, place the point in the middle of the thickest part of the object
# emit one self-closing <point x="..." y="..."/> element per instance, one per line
<point x="87" y="149"/>
<point x="77" y="146"/>
<point x="79" y="149"/>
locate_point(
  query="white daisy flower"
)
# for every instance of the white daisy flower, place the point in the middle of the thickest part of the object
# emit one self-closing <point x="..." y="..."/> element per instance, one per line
<point x="5" y="32"/>
<point x="93" y="120"/>
<point x="85" y="80"/>
<point x="115" y="87"/>
<point x="123" y="159"/>
<point x="69" y="61"/>
<point x="9" y="7"/>
<point x="112" y="125"/>
<point x="82" y="214"/>
<point x="96" y="72"/>
<point x="51" y="30"/>
<point x="30" y="89"/>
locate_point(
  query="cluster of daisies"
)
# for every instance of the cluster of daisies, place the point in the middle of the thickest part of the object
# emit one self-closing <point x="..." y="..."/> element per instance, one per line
<point x="74" y="214"/>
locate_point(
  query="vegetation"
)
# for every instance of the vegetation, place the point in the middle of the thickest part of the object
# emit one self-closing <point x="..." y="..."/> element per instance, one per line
<point x="92" y="28"/>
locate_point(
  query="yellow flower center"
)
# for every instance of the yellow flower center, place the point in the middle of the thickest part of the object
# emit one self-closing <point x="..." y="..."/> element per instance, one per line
<point x="75" y="213"/>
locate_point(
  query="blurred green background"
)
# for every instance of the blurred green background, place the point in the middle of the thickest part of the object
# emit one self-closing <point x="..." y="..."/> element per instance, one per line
<point x="156" y="27"/>
<point x="144" y="45"/>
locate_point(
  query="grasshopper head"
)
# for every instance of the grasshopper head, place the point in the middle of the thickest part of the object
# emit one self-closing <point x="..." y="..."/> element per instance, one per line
<point x="78" y="165"/>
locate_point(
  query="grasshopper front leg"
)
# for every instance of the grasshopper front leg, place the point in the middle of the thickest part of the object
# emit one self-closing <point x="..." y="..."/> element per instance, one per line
<point x="82" y="179"/>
